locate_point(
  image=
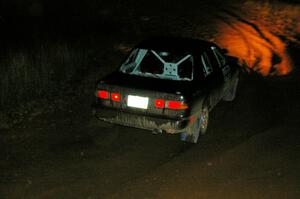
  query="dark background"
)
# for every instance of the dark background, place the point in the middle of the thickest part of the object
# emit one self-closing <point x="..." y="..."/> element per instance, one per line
<point x="53" y="52"/>
<point x="47" y="44"/>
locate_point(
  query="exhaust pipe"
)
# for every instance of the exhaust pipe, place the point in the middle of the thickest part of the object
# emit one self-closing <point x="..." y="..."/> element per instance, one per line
<point x="157" y="131"/>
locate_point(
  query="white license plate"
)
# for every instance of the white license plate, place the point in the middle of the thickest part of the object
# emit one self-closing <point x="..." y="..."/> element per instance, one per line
<point x="137" y="101"/>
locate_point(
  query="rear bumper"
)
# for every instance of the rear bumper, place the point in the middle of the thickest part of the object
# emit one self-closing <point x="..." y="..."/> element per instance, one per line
<point x="141" y="121"/>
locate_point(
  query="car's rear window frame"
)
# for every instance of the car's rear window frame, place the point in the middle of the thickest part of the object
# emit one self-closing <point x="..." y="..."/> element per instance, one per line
<point x="169" y="71"/>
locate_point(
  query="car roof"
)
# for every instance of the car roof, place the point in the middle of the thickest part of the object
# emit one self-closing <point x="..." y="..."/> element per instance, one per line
<point x="176" y="44"/>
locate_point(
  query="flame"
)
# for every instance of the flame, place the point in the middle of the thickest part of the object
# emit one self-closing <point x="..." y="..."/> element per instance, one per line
<point x="258" y="49"/>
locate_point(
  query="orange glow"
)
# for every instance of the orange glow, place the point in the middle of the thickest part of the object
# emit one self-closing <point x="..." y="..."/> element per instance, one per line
<point x="252" y="35"/>
<point x="257" y="49"/>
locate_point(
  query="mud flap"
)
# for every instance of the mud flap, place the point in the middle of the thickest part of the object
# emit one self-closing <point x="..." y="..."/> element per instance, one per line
<point x="192" y="133"/>
<point x="232" y="92"/>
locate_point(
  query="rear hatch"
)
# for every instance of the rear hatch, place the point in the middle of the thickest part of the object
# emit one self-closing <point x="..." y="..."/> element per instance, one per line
<point x="143" y="95"/>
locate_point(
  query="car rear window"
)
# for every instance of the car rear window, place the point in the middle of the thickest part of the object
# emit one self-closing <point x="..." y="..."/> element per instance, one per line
<point x="151" y="64"/>
<point x="159" y="64"/>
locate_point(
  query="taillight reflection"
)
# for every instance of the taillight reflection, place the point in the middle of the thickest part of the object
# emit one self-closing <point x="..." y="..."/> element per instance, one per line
<point x="160" y="103"/>
<point x="103" y="94"/>
<point x="176" y="105"/>
<point x="115" y="97"/>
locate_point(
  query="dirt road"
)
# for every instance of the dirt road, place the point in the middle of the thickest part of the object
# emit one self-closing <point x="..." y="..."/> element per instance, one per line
<point x="252" y="151"/>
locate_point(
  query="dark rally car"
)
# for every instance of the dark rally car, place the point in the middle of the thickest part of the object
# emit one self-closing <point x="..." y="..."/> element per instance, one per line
<point x="168" y="85"/>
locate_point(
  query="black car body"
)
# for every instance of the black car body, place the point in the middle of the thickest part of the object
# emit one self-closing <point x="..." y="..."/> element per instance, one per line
<point x="168" y="85"/>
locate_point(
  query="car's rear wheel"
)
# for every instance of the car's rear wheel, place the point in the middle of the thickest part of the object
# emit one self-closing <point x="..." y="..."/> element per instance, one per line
<point x="197" y="128"/>
<point x="232" y="92"/>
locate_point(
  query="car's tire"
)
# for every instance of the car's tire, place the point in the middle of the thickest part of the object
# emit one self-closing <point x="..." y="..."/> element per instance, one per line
<point x="197" y="128"/>
<point x="232" y="91"/>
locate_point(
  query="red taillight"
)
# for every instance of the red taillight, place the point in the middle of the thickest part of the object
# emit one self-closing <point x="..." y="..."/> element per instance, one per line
<point x="115" y="97"/>
<point x="159" y="103"/>
<point x="103" y="94"/>
<point x="176" y="105"/>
